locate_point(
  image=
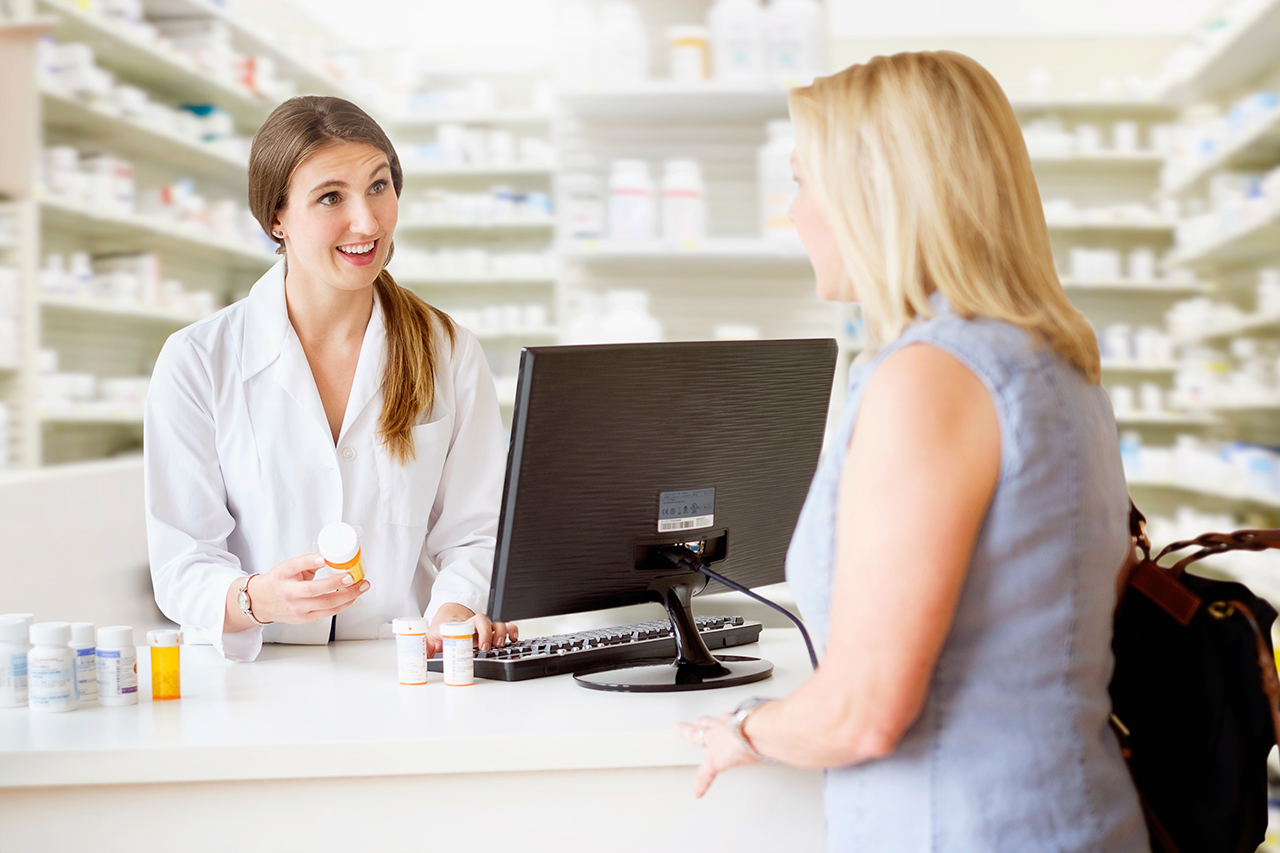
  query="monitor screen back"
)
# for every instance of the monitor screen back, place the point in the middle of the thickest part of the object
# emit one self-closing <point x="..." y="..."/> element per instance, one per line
<point x="619" y="447"/>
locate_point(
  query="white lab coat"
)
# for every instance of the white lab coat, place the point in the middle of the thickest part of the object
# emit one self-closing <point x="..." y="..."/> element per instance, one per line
<point x="242" y="473"/>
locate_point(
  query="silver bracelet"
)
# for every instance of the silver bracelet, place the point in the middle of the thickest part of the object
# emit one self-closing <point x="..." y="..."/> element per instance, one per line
<point x="740" y="715"/>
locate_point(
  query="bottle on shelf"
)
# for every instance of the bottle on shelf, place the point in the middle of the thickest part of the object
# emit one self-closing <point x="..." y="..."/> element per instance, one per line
<point x="580" y="198"/>
<point x="737" y="40"/>
<point x="688" y="56"/>
<point x="684" y="201"/>
<point x="632" y="207"/>
<point x="793" y="53"/>
<point x="623" y="46"/>
<point x="778" y="186"/>
<point x="626" y="318"/>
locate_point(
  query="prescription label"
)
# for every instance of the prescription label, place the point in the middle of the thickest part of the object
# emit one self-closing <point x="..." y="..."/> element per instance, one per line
<point x="690" y="509"/>
<point x="117" y="674"/>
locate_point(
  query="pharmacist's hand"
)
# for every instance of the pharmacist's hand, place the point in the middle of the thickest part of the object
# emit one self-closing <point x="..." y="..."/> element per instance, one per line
<point x="721" y="748"/>
<point x="489" y="635"/>
<point x="292" y="594"/>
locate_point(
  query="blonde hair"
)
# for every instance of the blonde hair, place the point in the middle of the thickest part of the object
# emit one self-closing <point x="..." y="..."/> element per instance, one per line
<point x="920" y="166"/>
<point x="295" y="131"/>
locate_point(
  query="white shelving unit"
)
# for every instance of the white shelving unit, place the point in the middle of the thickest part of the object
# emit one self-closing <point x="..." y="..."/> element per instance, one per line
<point x="99" y="335"/>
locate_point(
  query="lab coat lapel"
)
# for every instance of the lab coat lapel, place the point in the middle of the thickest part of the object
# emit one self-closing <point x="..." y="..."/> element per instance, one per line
<point x="293" y="374"/>
<point x="369" y="369"/>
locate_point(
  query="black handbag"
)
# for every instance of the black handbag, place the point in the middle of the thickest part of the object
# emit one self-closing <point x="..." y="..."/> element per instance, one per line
<point x="1195" y="696"/>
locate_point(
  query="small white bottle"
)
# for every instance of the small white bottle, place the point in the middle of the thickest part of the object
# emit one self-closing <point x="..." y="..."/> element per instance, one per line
<point x="117" y="660"/>
<point x="84" y="644"/>
<point x="626" y="318"/>
<point x="688" y="53"/>
<point x="411" y="649"/>
<point x="13" y="661"/>
<point x="778" y="185"/>
<point x="632" y="207"/>
<point x="793" y="42"/>
<point x="684" y="201"/>
<point x="623" y="47"/>
<point x="459" y="653"/>
<point x="51" y="668"/>
<point x="737" y="40"/>
<point x="580" y="198"/>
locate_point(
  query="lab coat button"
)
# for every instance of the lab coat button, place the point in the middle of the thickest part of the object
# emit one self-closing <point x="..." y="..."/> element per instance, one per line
<point x="348" y="453"/>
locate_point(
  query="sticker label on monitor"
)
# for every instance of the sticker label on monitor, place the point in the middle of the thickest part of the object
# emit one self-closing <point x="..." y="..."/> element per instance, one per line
<point x="691" y="509"/>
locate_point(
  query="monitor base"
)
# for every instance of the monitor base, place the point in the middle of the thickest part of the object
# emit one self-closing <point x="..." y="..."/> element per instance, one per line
<point x="668" y="676"/>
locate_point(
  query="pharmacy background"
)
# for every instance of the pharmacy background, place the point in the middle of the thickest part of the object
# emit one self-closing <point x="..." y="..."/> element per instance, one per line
<point x="596" y="171"/>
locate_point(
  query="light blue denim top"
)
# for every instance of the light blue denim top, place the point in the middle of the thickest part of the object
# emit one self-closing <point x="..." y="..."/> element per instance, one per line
<point x="1012" y="750"/>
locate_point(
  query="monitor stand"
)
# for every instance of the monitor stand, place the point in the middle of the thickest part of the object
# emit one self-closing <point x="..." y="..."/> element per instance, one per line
<point x="694" y="668"/>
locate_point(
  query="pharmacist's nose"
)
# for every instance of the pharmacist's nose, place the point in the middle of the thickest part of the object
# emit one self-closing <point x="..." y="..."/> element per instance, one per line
<point x="362" y="219"/>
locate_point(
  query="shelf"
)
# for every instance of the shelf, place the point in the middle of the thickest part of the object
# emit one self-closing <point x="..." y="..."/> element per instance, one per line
<point x="1133" y="367"/>
<point x="1271" y="501"/>
<point x="1256" y="150"/>
<point x="90" y="413"/>
<point x="1254" y="242"/>
<point x="474" y="280"/>
<point x="85" y="305"/>
<point x="1127" y="286"/>
<point x="166" y="73"/>
<point x="1150" y="110"/>
<point x="1076" y="226"/>
<point x="710" y="251"/>
<point x="1164" y="419"/>
<point x="514" y="225"/>
<point x="133" y="139"/>
<point x="664" y="99"/>
<point x="1147" y="161"/>
<point x="134" y="233"/>
<point x="509" y="117"/>
<point x="423" y="172"/>
<point x="1235" y="61"/>
<point x="1255" y="326"/>
<point x="250" y="41"/>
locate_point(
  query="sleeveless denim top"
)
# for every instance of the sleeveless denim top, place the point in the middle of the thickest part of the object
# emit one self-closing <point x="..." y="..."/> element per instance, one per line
<point x="1012" y="750"/>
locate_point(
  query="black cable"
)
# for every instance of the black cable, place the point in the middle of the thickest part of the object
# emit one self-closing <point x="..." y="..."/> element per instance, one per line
<point x="716" y="576"/>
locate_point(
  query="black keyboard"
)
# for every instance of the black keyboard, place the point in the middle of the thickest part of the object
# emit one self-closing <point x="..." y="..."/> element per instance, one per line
<point x="603" y="647"/>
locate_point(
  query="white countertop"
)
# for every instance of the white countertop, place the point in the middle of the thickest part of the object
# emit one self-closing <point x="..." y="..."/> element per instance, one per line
<point x="337" y="710"/>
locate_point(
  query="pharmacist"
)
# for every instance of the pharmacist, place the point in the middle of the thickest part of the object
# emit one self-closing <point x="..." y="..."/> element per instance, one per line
<point x="329" y="394"/>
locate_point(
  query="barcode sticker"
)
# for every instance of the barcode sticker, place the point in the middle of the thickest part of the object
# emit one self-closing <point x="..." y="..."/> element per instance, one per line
<point x="667" y="525"/>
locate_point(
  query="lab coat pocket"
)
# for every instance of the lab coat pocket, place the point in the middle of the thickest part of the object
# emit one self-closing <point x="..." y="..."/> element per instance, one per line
<point x="409" y="490"/>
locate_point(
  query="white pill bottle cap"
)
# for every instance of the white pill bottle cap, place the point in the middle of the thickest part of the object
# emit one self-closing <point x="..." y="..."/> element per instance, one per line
<point x="163" y="638"/>
<point x="24" y="618"/>
<point x="13" y="631"/>
<point x="115" y="637"/>
<point x="458" y="629"/>
<point x="409" y="625"/>
<point x="339" y="542"/>
<point x="50" y="633"/>
<point x="82" y="632"/>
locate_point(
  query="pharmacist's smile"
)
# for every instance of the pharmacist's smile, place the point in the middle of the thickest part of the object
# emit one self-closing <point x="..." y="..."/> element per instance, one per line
<point x="359" y="254"/>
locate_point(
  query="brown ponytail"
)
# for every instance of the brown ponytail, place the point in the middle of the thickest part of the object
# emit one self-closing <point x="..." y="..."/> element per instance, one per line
<point x="295" y="131"/>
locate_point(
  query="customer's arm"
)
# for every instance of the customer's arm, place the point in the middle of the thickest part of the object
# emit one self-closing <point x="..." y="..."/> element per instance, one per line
<point x="920" y="474"/>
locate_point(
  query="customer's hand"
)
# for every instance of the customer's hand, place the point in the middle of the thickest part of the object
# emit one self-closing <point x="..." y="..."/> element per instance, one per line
<point x="489" y="635"/>
<point x="292" y="594"/>
<point x="721" y="748"/>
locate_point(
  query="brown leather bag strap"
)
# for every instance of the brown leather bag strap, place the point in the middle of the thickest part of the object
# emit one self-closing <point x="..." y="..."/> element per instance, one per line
<point x="1138" y="529"/>
<point x="1266" y="661"/>
<point x="1218" y="543"/>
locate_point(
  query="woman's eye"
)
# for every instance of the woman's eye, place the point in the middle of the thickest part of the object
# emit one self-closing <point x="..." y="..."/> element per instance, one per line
<point x="379" y="187"/>
<point x="329" y="198"/>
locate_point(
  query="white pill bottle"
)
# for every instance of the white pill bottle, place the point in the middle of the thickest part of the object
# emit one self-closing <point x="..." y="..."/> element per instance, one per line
<point x="684" y="202"/>
<point x="13" y="661"/>
<point x="737" y="40"/>
<point x="411" y="649"/>
<point x="84" y="644"/>
<point x="459" y="653"/>
<point x="633" y="209"/>
<point x="51" y="668"/>
<point x="117" y="660"/>
<point x="778" y="187"/>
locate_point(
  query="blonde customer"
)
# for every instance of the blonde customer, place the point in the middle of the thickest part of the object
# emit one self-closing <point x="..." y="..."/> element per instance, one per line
<point x="958" y="550"/>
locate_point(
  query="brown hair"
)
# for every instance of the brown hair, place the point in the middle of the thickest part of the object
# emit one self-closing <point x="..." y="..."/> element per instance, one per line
<point x="295" y="131"/>
<point x="923" y="173"/>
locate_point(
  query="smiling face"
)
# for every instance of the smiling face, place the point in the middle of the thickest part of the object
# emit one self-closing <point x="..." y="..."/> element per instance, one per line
<point x="819" y="240"/>
<point x="340" y="216"/>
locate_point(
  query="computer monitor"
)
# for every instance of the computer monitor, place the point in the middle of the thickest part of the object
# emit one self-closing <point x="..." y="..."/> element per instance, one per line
<point x="633" y="465"/>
